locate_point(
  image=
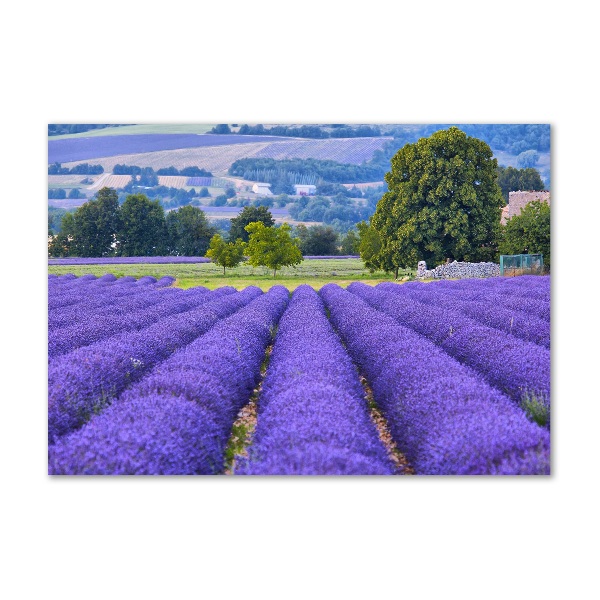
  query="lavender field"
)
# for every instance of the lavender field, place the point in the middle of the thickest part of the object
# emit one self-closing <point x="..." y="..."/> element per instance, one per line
<point x="445" y="378"/>
<point x="74" y="149"/>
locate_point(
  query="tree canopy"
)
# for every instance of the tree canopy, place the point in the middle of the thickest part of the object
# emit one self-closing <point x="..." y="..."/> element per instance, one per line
<point x="443" y="202"/>
<point x="528" y="232"/>
<point x="138" y="227"/>
<point x="250" y="214"/>
<point x="225" y="254"/>
<point x="142" y="227"/>
<point x="272" y="247"/>
<point x="188" y="232"/>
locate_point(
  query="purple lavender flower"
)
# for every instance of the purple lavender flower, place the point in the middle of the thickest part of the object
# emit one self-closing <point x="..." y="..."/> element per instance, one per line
<point x="83" y="382"/>
<point x="313" y="417"/>
<point x="178" y="419"/>
<point x="512" y="365"/>
<point x="444" y="417"/>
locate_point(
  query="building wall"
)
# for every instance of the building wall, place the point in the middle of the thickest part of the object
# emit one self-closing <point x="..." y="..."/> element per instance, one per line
<point x="518" y="200"/>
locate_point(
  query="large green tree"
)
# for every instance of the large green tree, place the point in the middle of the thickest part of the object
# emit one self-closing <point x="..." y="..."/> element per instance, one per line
<point x="90" y="230"/>
<point x="272" y="247"/>
<point x="250" y="214"/>
<point x="142" y="230"/>
<point x="443" y="202"/>
<point x="528" y="232"/>
<point x="188" y="232"/>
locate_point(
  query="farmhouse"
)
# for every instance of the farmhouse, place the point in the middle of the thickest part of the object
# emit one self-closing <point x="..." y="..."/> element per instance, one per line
<point x="518" y="200"/>
<point x="264" y="189"/>
<point x="305" y="190"/>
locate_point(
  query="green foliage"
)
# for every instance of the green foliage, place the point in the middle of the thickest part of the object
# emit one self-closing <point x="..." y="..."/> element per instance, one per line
<point x="188" y="232"/>
<point x="442" y="202"/>
<point x="537" y="408"/>
<point x="317" y="240"/>
<point x="512" y="180"/>
<point x="220" y="200"/>
<point x="220" y="129"/>
<point x="306" y="170"/>
<point x="57" y="194"/>
<point x="350" y="243"/>
<point x="250" y="214"/>
<point x="272" y="247"/>
<point x="56" y="129"/>
<point x="204" y="193"/>
<point x="225" y="254"/>
<point x="369" y="248"/>
<point x="90" y="230"/>
<point x="142" y="230"/>
<point x="528" y="232"/>
<point x="74" y="193"/>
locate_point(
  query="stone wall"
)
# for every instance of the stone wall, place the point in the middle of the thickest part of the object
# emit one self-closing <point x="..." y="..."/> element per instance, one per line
<point x="458" y="270"/>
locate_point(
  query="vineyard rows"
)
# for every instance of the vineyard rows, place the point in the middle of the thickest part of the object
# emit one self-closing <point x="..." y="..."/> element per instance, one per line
<point x="145" y="378"/>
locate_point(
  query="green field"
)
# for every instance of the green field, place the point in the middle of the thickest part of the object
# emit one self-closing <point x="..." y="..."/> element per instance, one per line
<point x="138" y="129"/>
<point x="315" y="273"/>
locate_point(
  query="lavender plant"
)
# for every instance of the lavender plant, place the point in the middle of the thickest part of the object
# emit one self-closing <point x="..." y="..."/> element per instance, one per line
<point x="83" y="382"/>
<point x="444" y="417"/>
<point x="177" y="420"/>
<point x="508" y="363"/>
<point x="313" y="417"/>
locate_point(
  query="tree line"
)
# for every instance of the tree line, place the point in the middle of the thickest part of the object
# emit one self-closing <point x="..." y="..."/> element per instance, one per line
<point x="140" y="227"/>
<point x="192" y="171"/>
<point x="82" y="169"/>
<point x="304" y="131"/>
<point x="56" y="129"/>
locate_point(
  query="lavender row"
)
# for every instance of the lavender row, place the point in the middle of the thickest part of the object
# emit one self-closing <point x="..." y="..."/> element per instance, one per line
<point x="100" y="303"/>
<point x="444" y="418"/>
<point x="84" y="381"/>
<point x="106" y="305"/>
<point x="98" y="327"/>
<point x="490" y="313"/>
<point x="66" y="295"/>
<point x="527" y="297"/>
<point x="179" y="418"/>
<point x="128" y="260"/>
<point x="313" y="417"/>
<point x="512" y="365"/>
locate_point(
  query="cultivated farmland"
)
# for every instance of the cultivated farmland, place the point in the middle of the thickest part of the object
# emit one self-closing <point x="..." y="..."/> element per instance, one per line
<point x="218" y="159"/>
<point x="397" y="379"/>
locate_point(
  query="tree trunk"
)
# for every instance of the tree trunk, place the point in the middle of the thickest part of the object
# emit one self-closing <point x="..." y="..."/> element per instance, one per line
<point x="223" y="271"/>
<point x="274" y="273"/>
<point x="396" y="273"/>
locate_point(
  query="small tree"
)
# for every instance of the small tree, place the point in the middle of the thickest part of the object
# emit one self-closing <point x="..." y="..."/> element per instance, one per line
<point x="225" y="254"/>
<point x="272" y="247"/>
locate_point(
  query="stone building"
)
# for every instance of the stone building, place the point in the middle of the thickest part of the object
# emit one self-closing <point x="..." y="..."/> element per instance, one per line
<point x="518" y="200"/>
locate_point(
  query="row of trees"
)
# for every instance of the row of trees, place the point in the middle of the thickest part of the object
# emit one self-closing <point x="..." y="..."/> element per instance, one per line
<point x="444" y="202"/>
<point x="138" y="227"/>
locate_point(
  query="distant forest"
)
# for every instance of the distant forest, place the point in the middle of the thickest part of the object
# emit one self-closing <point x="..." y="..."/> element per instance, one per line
<point x="54" y="129"/>
<point x="510" y="138"/>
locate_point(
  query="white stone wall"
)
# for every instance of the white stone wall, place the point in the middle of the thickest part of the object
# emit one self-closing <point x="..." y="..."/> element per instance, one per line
<point x="459" y="270"/>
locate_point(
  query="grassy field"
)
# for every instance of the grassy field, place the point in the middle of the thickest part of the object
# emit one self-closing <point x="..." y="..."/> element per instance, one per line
<point x="138" y="130"/>
<point x="315" y="273"/>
